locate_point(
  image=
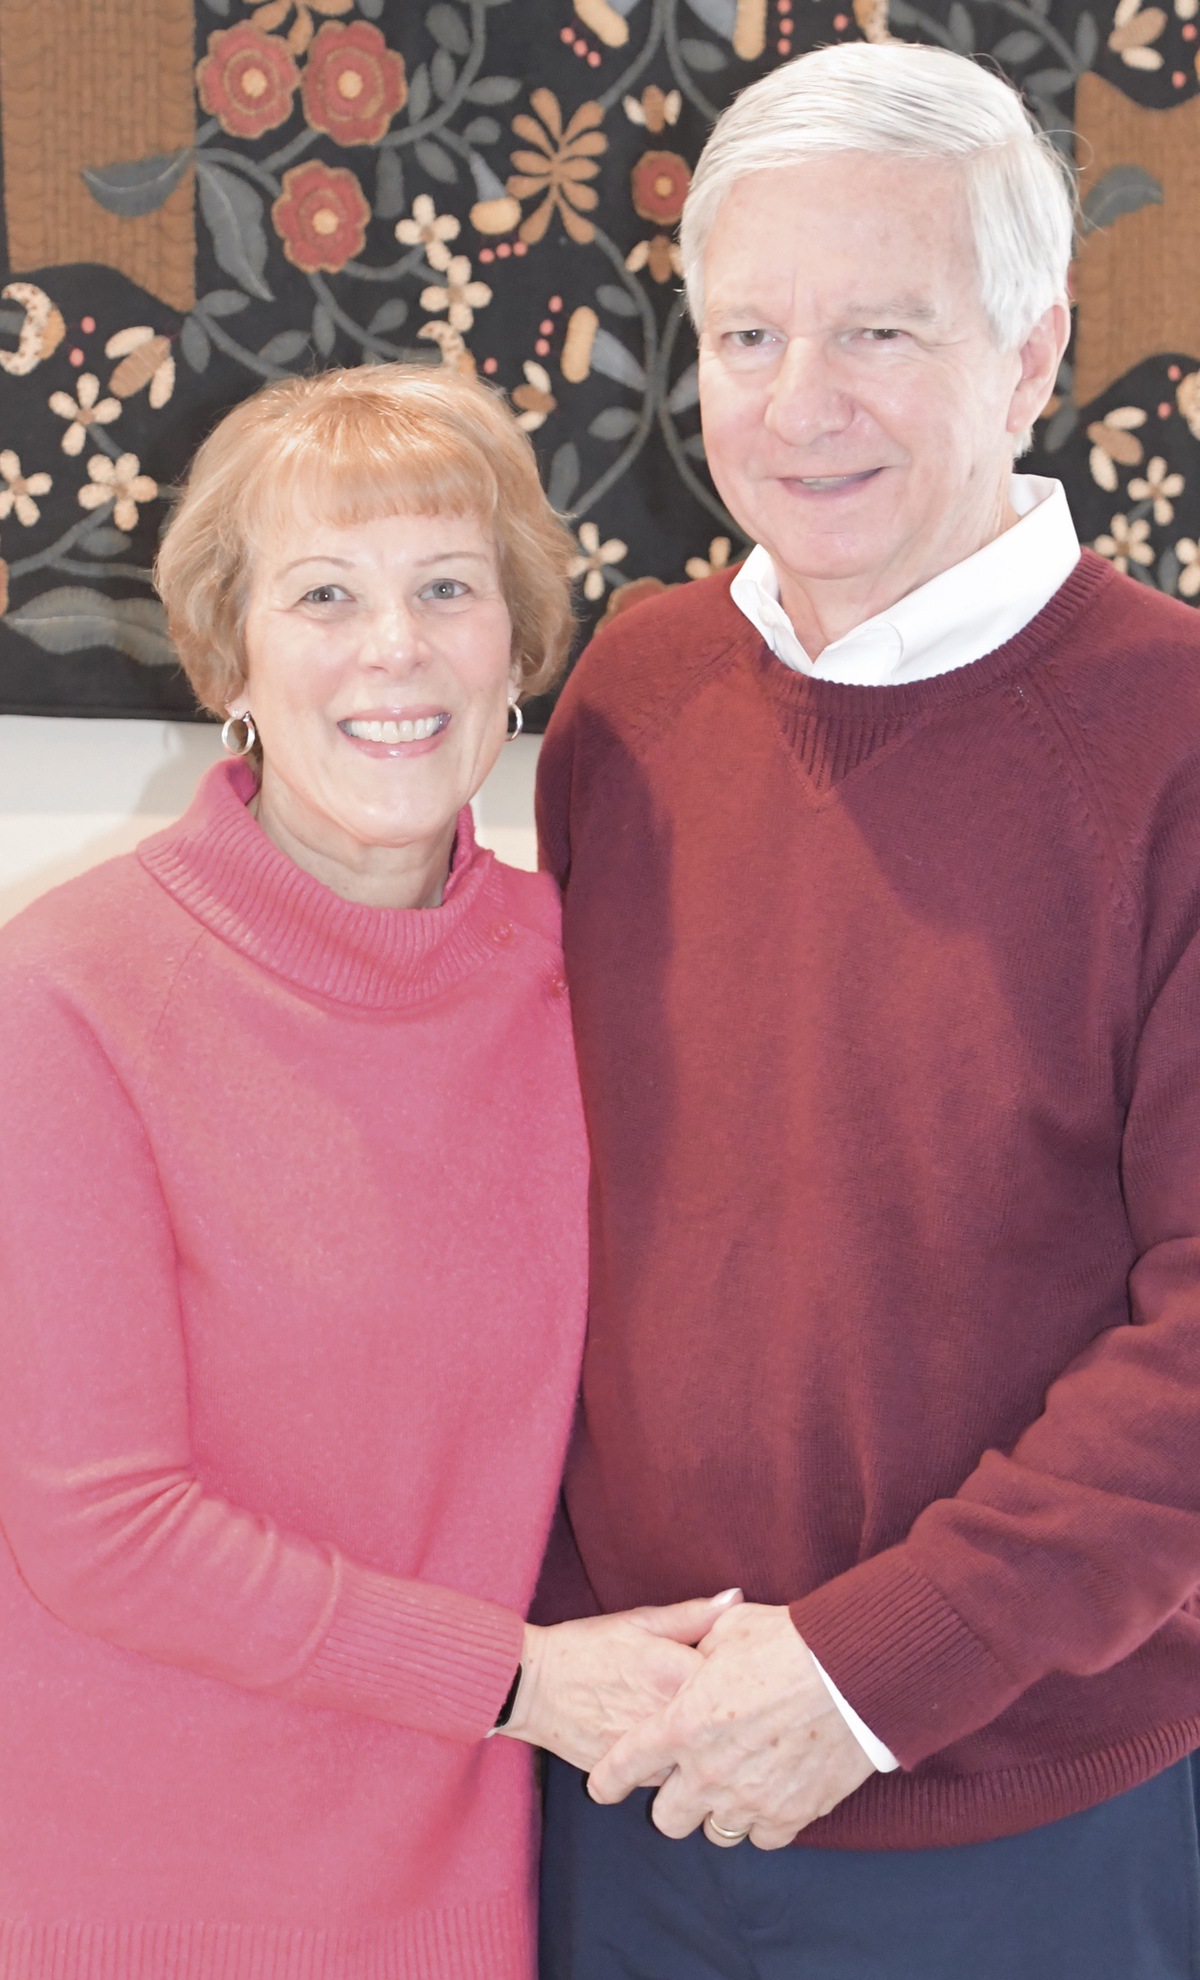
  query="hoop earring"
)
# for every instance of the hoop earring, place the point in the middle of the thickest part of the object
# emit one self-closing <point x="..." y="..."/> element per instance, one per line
<point x="249" y="737"/>
<point x="514" y="708"/>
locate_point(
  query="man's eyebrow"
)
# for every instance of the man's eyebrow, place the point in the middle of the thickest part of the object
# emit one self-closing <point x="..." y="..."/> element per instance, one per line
<point x="909" y="309"/>
<point x="912" y="308"/>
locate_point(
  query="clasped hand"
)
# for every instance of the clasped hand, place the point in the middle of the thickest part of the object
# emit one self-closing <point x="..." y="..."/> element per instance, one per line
<point x="717" y="1703"/>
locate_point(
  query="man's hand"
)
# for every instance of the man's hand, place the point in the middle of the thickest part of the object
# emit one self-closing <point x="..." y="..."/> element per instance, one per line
<point x="585" y="1683"/>
<point x="753" y="1737"/>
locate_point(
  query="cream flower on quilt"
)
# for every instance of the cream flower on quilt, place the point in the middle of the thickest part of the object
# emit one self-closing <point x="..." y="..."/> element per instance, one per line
<point x="86" y="409"/>
<point x="596" y="556"/>
<point x="535" y="397"/>
<point x="429" y="229"/>
<point x="655" y="110"/>
<point x="460" y="297"/>
<point x="1113" y="442"/>
<point x="120" y="482"/>
<point x="20" y="489"/>
<point x="1158" y="487"/>
<point x="1134" y="28"/>
<point x="1188" y="552"/>
<point x="716" y="560"/>
<point x="1127" y="543"/>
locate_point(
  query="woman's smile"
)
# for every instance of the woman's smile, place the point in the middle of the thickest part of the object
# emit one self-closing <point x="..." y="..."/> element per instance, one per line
<point x="411" y="732"/>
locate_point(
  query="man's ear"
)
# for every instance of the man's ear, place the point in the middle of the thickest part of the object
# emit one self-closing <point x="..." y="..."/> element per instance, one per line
<point x="1040" y="355"/>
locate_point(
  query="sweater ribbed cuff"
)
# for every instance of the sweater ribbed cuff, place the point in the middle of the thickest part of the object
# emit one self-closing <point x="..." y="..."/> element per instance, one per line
<point x="905" y="1659"/>
<point x="415" y="1654"/>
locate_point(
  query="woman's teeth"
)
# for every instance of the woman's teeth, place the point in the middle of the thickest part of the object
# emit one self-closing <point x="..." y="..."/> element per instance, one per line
<point x="418" y="730"/>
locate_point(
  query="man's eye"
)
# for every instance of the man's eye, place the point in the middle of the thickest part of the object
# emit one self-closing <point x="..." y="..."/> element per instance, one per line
<point x="749" y="340"/>
<point x="881" y="336"/>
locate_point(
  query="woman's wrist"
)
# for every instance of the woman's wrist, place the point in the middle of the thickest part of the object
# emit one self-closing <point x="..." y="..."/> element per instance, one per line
<point x="516" y="1723"/>
<point x="506" y="1710"/>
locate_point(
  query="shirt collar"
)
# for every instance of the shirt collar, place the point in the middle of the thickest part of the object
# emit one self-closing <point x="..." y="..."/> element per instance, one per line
<point x="953" y="619"/>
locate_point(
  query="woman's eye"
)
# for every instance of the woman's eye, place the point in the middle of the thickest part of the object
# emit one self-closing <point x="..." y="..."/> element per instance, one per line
<point x="323" y="594"/>
<point x="446" y="588"/>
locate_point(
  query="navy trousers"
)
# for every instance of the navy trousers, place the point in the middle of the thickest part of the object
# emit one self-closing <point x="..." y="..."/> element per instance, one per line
<point x="1112" y="1894"/>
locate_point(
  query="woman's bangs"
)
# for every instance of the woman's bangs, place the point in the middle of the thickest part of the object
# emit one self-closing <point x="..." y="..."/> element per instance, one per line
<point x="352" y="469"/>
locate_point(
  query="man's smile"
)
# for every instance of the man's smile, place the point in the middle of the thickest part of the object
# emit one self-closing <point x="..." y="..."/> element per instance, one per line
<point x="827" y="484"/>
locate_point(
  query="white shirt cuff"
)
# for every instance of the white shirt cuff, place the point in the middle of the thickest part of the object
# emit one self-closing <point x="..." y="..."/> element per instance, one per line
<point x="877" y="1753"/>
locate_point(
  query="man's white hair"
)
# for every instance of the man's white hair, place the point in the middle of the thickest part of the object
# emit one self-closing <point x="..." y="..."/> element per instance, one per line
<point x="919" y="103"/>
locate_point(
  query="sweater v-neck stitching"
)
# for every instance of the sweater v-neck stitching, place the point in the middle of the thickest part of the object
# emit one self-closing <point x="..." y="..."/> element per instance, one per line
<point x="928" y="698"/>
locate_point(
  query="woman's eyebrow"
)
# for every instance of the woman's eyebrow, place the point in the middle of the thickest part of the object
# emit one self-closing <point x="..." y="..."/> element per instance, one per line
<point x="441" y="556"/>
<point x="315" y="557"/>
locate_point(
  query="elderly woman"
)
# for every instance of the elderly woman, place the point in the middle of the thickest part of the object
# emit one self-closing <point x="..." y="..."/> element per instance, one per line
<point x="292" y="1258"/>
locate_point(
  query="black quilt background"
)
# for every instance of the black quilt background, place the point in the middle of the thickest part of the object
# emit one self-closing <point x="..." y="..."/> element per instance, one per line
<point x="573" y="307"/>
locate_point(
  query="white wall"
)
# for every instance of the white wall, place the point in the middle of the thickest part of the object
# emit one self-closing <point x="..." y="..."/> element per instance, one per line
<point x="76" y="792"/>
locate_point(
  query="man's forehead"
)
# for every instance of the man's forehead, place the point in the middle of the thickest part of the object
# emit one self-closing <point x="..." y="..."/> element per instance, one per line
<point x="843" y="235"/>
<point x="849" y="199"/>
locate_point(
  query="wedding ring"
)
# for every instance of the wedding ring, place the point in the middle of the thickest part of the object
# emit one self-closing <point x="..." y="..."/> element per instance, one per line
<point x="727" y="1835"/>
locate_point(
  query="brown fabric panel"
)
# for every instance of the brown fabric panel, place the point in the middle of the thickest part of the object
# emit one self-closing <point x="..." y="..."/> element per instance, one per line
<point x="1137" y="281"/>
<point x="88" y="82"/>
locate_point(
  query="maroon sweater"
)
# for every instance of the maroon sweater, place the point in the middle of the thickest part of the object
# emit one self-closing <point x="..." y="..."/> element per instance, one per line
<point x="887" y="1003"/>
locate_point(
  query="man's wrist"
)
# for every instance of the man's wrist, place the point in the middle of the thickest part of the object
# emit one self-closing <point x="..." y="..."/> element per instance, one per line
<point x="881" y="1757"/>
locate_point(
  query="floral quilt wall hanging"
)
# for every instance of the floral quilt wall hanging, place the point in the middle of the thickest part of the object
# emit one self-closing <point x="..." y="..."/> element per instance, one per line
<point x="199" y="195"/>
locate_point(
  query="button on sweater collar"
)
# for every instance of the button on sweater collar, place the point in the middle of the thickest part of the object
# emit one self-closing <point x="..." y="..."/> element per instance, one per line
<point x="220" y="865"/>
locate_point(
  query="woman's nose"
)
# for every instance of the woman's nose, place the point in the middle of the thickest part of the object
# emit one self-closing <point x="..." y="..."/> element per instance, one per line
<point x="392" y="638"/>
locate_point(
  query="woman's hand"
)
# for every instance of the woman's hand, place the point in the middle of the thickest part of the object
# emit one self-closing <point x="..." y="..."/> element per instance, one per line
<point x="584" y="1684"/>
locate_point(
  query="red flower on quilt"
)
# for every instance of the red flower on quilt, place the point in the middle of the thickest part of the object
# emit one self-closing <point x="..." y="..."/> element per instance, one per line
<point x="247" y="80"/>
<point x="660" y="183"/>
<point x="321" y="217"/>
<point x="353" y="83"/>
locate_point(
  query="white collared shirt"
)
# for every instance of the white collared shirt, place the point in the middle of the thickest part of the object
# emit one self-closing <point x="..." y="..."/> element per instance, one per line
<point x="955" y="618"/>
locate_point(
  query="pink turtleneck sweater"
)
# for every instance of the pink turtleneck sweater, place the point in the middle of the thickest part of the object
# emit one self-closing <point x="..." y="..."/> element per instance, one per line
<point x="291" y="1302"/>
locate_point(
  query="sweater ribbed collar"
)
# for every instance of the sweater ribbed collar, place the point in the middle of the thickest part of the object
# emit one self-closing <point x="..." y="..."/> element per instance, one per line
<point x="220" y="864"/>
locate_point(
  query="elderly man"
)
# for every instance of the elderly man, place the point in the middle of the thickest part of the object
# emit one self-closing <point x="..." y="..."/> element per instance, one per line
<point x="882" y="873"/>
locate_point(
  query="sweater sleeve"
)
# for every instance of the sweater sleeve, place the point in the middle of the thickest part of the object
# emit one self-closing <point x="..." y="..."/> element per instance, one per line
<point x="111" y="1526"/>
<point x="1067" y="1552"/>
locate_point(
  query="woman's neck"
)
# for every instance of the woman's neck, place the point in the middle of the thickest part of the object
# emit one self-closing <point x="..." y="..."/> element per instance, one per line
<point x="408" y="876"/>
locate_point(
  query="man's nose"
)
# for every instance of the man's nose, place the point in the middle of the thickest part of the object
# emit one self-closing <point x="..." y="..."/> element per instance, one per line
<point x="808" y="398"/>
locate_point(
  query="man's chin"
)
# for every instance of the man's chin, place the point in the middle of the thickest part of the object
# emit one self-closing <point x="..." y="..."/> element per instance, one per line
<point x="844" y="561"/>
<point x="843" y="540"/>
